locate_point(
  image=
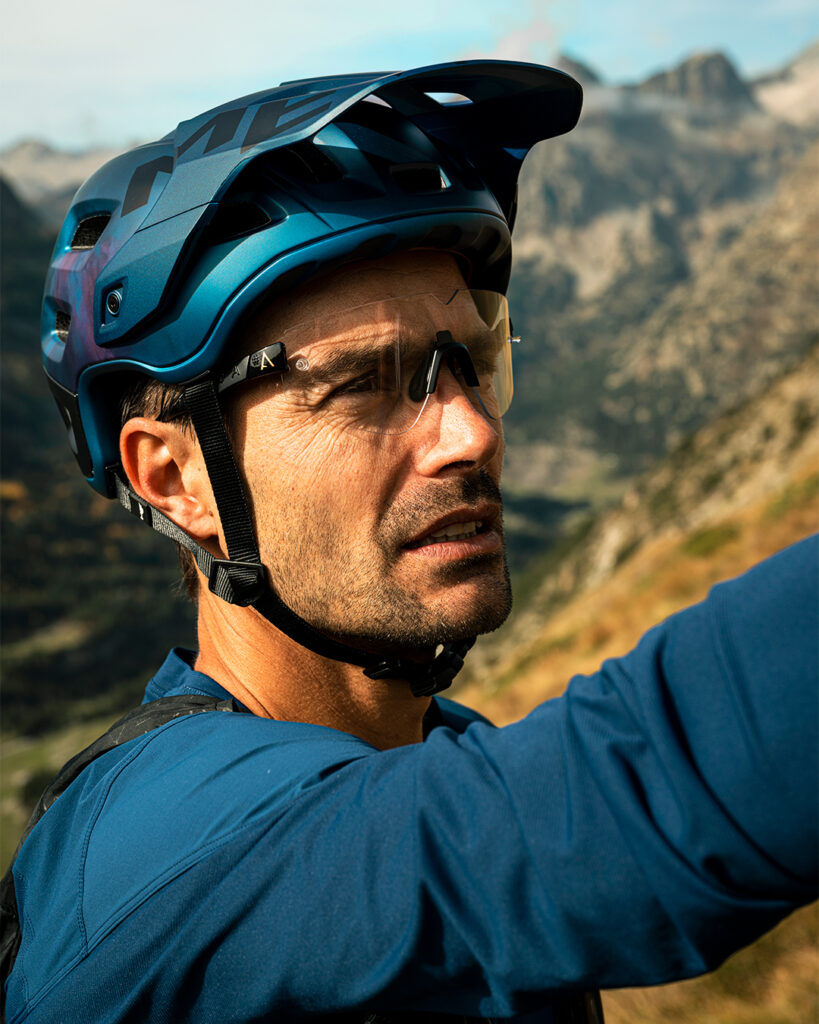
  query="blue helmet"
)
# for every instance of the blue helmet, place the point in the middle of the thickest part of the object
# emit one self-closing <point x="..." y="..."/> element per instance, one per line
<point x="171" y="246"/>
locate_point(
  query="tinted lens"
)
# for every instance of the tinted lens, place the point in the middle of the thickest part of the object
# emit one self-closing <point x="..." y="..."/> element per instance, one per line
<point x="357" y="369"/>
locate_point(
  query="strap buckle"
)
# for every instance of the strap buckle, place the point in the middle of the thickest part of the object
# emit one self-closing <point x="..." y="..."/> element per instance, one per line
<point x="237" y="582"/>
<point x="425" y="680"/>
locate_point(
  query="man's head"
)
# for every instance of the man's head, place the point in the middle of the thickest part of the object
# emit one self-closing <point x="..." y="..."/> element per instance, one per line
<point x="349" y="514"/>
<point x="385" y="534"/>
<point x="329" y="228"/>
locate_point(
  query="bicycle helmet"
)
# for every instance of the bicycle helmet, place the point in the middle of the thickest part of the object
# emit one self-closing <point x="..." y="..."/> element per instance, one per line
<point x="168" y="248"/>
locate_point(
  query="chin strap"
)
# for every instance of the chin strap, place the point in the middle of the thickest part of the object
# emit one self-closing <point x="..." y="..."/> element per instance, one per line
<point x="427" y="679"/>
<point x="241" y="578"/>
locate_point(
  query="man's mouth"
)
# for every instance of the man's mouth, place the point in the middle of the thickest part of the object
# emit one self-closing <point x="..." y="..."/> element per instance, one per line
<point x="455" y="531"/>
<point x="462" y="533"/>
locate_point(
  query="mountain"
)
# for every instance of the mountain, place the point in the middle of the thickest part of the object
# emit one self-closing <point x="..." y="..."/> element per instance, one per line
<point x="84" y="588"/>
<point x="25" y="247"/>
<point x="46" y="178"/>
<point x="649" y="234"/>
<point x="703" y="79"/>
<point x="792" y="92"/>
<point x="584" y="74"/>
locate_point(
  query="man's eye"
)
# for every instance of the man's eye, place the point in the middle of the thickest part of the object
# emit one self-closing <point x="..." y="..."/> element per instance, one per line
<point x="366" y="384"/>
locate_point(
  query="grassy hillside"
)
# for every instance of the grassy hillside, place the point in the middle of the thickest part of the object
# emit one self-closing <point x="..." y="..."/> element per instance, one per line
<point x="27" y="764"/>
<point x="775" y="981"/>
<point x="666" y="574"/>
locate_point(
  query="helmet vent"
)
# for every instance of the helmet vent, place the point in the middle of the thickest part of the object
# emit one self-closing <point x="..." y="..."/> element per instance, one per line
<point x="233" y="220"/>
<point x="447" y="98"/>
<point x="89" y="230"/>
<point x="420" y="177"/>
<point x="306" y="163"/>
<point x="61" y="324"/>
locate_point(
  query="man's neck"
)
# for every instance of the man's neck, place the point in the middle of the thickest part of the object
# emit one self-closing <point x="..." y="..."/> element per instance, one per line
<point x="274" y="677"/>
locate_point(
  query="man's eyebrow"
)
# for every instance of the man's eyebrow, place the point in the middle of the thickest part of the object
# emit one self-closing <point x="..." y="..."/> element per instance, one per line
<point x="338" y="363"/>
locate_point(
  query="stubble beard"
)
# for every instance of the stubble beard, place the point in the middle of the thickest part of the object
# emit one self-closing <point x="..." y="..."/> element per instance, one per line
<point x="361" y="601"/>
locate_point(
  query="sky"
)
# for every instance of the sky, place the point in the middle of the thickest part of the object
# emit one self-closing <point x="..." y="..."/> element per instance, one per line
<point x="93" y="73"/>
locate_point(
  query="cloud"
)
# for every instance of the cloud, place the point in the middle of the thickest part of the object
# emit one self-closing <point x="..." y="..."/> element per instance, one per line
<point x="536" y="42"/>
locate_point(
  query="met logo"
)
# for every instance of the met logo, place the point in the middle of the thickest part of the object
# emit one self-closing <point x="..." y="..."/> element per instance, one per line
<point x="270" y="120"/>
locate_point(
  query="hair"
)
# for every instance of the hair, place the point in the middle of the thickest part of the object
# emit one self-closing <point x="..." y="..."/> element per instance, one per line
<point x="143" y="396"/>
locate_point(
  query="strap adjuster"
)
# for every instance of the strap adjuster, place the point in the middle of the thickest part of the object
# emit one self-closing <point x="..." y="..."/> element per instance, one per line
<point x="240" y="583"/>
<point x="424" y="679"/>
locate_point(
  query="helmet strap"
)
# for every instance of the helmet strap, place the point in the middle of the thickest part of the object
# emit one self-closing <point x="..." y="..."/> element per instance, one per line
<point x="241" y="578"/>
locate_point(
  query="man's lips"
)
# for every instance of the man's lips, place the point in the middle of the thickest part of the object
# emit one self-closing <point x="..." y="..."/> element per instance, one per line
<point x="466" y="528"/>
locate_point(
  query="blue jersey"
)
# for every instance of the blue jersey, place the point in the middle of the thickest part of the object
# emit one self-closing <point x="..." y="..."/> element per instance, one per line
<point x="655" y="818"/>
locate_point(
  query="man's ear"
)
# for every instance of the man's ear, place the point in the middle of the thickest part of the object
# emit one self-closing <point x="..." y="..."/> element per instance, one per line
<point x="165" y="466"/>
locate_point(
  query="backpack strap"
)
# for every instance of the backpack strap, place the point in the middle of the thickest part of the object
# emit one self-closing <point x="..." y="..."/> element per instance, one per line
<point x="136" y="723"/>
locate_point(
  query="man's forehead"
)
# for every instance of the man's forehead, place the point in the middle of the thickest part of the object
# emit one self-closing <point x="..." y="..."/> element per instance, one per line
<point x="359" y="288"/>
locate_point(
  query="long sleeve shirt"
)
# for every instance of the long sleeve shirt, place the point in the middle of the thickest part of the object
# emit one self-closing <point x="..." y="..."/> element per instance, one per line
<point x="658" y="816"/>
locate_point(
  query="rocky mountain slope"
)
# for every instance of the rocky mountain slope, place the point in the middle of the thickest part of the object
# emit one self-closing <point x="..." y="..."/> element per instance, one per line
<point x="735" y="491"/>
<point x="46" y="178"/>
<point x="703" y="80"/>
<point x="792" y="92"/>
<point x="653" y="204"/>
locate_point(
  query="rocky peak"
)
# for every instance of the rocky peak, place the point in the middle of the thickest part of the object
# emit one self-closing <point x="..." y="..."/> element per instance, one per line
<point x="703" y="79"/>
<point x="577" y="69"/>
<point x="792" y="93"/>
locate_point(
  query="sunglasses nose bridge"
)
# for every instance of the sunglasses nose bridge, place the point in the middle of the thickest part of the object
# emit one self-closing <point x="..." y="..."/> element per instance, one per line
<point x="458" y="359"/>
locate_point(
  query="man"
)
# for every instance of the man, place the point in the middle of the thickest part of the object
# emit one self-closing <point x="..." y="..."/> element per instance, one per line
<point x="280" y="337"/>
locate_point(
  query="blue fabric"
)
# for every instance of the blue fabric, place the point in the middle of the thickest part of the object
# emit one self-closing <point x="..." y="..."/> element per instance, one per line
<point x="658" y="816"/>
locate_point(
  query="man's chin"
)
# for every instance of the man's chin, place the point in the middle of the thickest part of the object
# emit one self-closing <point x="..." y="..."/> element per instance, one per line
<point x="472" y="618"/>
<point x="419" y="623"/>
<point x="411" y="610"/>
<point x="465" y="607"/>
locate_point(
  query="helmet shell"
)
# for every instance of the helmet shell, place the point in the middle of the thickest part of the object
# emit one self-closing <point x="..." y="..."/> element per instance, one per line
<point x="167" y="248"/>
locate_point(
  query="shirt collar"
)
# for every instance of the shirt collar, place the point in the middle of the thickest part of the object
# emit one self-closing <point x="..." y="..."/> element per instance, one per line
<point x="178" y="676"/>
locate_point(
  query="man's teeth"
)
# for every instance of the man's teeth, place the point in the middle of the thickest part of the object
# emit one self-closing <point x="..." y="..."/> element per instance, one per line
<point x="455" y="531"/>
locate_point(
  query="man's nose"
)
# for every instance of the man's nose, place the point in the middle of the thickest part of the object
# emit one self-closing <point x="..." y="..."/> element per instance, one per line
<point x="454" y="431"/>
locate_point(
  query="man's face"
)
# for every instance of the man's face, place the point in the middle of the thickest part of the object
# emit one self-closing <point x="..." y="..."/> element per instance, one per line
<point x="386" y="539"/>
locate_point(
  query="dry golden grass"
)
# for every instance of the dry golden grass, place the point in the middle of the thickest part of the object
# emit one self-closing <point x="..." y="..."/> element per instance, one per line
<point x="663" y="576"/>
<point x="775" y="981"/>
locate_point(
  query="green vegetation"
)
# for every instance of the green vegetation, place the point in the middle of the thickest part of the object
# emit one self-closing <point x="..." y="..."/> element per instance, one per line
<point x="539" y="650"/>
<point x="534" y="523"/>
<point x="27" y="766"/>
<point x="794" y="496"/>
<point x="627" y="550"/>
<point x="804" y="419"/>
<point x="526" y="582"/>
<point x="706" y="542"/>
